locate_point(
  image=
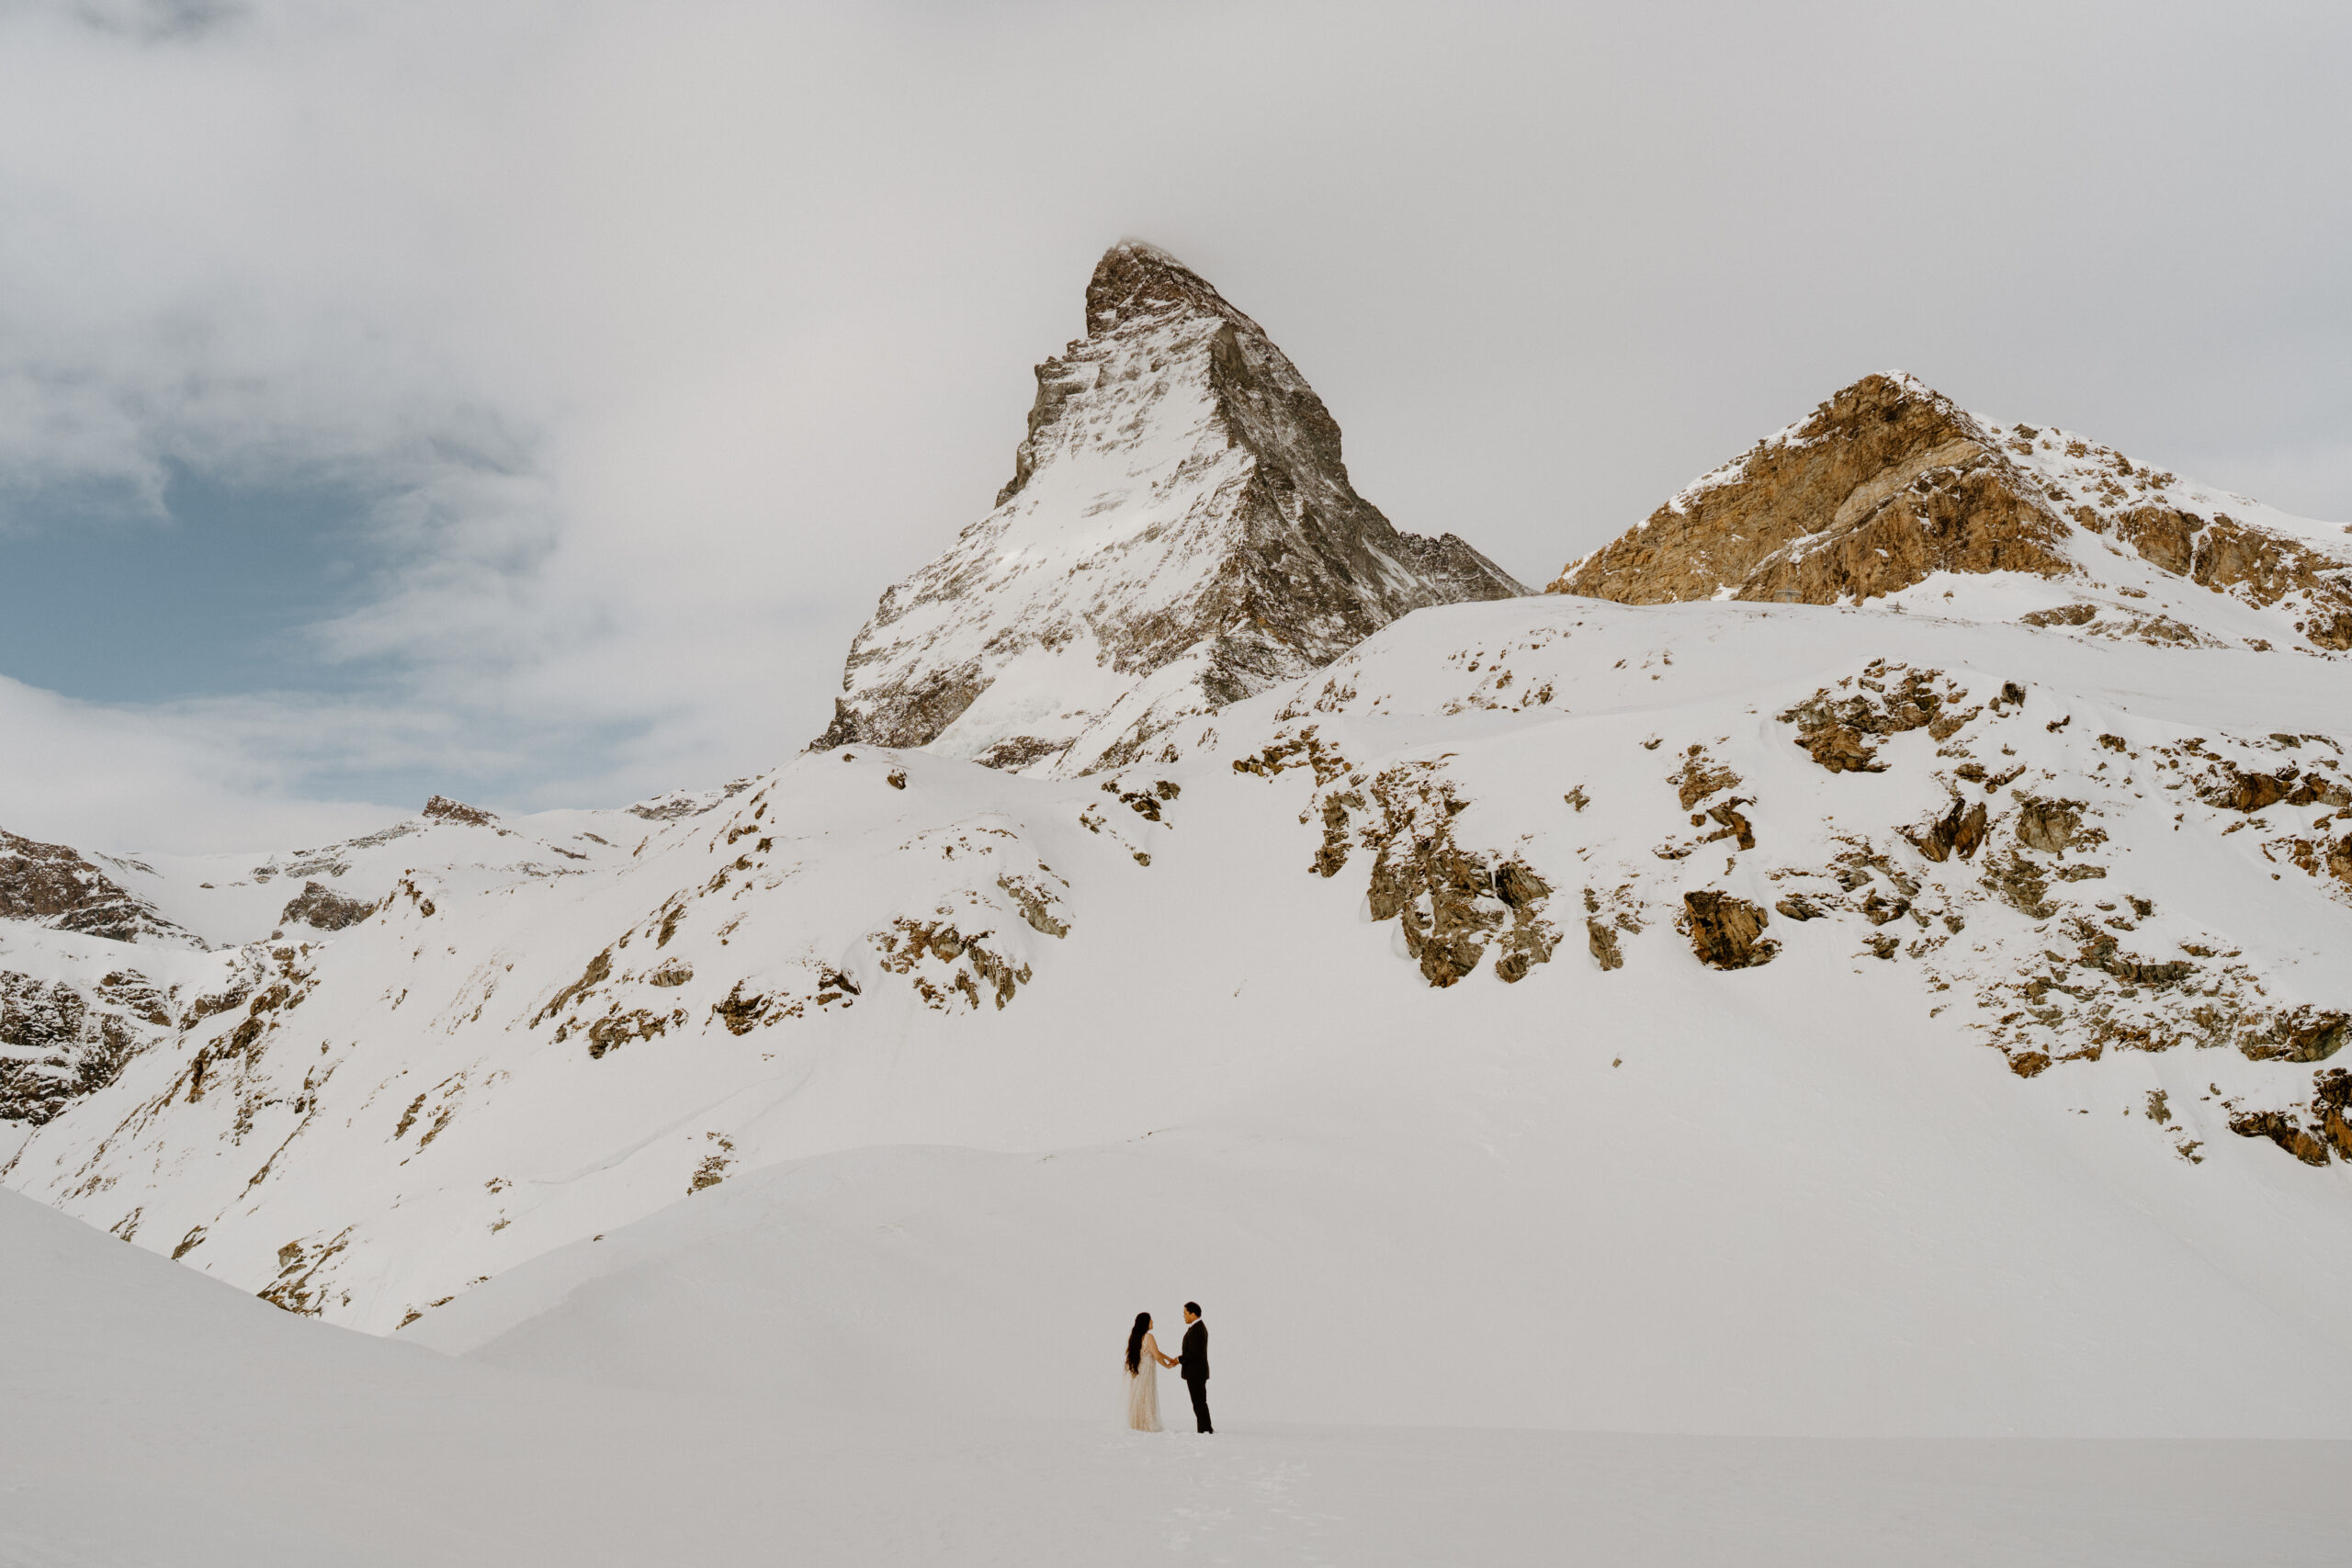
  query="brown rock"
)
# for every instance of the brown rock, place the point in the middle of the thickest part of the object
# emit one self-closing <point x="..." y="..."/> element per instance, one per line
<point x="58" y="887"/>
<point x="1885" y="483"/>
<point x="323" y="908"/>
<point x="441" y="809"/>
<point x="1728" y="932"/>
<point x="1841" y="751"/>
<point x="1958" y="832"/>
<point x="62" y="1043"/>
<point x="2304" y="1034"/>
<point x="2282" y="1130"/>
<point x="1700" y="776"/>
<point x="1889" y="481"/>
<point x="2049" y="825"/>
<point x="1451" y="903"/>
<point x="1888" y="699"/>
<point x="2330" y="1131"/>
<point x="1730" y="823"/>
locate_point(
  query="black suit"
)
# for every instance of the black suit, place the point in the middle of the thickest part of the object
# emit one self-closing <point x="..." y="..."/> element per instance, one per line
<point x="1194" y="1371"/>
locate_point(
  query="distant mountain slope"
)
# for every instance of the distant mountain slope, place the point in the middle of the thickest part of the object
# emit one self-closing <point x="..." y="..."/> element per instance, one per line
<point x="1891" y="490"/>
<point x="104" y="956"/>
<point x="1179" y="533"/>
<point x="59" y="888"/>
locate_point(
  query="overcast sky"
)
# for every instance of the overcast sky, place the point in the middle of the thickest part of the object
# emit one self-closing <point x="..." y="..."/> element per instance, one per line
<point x="527" y="401"/>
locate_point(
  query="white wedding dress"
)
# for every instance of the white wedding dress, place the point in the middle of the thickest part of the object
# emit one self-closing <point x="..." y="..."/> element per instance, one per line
<point x="1143" y="1390"/>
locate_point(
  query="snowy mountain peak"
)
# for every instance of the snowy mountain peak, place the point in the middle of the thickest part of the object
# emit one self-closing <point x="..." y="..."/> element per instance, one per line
<point x="1135" y="277"/>
<point x="1891" y="490"/>
<point x="1179" y="533"/>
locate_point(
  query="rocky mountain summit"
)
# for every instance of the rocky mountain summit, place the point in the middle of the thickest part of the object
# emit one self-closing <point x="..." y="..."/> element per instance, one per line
<point x="1890" y="492"/>
<point x="1179" y="533"/>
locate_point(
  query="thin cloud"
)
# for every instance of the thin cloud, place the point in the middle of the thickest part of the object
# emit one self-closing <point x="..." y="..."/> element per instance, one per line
<point x="652" y="342"/>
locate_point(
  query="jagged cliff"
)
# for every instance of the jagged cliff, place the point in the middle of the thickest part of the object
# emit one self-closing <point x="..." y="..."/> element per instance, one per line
<point x="1890" y="484"/>
<point x="1179" y="533"/>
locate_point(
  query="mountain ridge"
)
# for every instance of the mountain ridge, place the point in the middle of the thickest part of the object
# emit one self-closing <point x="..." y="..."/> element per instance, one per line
<point x="1888" y="484"/>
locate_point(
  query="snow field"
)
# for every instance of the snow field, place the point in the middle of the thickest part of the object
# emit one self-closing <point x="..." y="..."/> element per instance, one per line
<point x="161" y="1419"/>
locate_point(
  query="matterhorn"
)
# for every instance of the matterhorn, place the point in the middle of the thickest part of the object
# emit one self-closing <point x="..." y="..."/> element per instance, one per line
<point x="1179" y="533"/>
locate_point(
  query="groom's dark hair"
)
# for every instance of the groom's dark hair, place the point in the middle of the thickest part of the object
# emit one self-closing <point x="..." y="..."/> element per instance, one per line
<point x="1193" y="1308"/>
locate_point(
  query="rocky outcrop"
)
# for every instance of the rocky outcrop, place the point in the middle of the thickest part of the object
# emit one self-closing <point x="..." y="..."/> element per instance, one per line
<point x="1451" y="903"/>
<point x="441" y="809"/>
<point x="59" y="1042"/>
<point x="1728" y="932"/>
<point x="1179" y="533"/>
<point x="57" y="886"/>
<point x="1885" y="483"/>
<point x="1889" y="482"/>
<point x="2312" y="1133"/>
<point x="1842" y="732"/>
<point x="323" y="908"/>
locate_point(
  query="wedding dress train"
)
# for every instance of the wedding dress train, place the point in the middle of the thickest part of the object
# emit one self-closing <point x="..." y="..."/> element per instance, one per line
<point x="1143" y="1395"/>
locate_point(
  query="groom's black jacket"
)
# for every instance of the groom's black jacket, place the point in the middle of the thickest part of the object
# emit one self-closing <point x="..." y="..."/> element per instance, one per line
<point x="1196" y="1354"/>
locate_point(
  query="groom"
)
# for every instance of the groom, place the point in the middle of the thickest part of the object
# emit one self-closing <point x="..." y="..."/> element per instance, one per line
<point x="1194" y="1363"/>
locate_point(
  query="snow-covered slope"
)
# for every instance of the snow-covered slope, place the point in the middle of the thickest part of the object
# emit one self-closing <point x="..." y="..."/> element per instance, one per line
<point x="103" y="955"/>
<point x="1888" y="490"/>
<point x="1781" y="1018"/>
<point x="156" y="1417"/>
<point x="1179" y="533"/>
<point x="227" y="899"/>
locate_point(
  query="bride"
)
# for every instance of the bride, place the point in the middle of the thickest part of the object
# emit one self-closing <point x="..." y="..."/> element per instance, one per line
<point x="1144" y="1361"/>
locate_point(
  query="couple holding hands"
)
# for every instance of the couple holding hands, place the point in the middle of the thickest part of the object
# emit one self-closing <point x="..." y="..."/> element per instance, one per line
<point x="1144" y="1361"/>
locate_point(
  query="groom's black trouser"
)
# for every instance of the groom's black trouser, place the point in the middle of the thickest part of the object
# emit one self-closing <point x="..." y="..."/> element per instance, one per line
<point x="1200" y="1390"/>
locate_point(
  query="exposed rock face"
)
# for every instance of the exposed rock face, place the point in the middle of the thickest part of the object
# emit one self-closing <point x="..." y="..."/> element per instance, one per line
<point x="1889" y="482"/>
<point x="2330" y="1132"/>
<point x="323" y="908"/>
<point x="1451" y="903"/>
<point x="441" y="809"/>
<point x="1179" y="533"/>
<point x="57" y="1043"/>
<point x="1728" y="932"/>
<point x="55" y="886"/>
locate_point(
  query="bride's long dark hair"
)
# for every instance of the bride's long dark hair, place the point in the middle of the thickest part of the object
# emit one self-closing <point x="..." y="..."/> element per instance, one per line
<point x="1134" y="1342"/>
